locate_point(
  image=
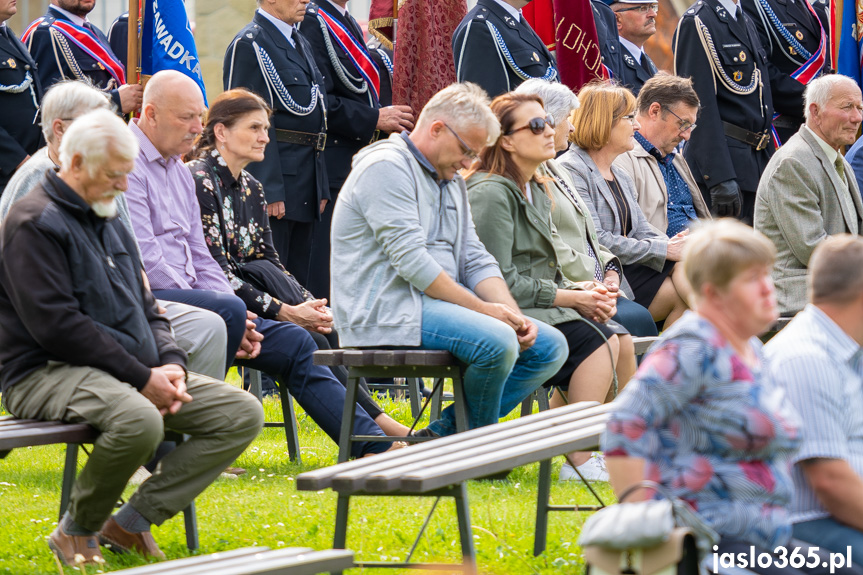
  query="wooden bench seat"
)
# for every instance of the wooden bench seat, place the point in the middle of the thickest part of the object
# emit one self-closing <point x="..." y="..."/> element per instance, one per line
<point x="253" y="561"/>
<point x="17" y="433"/>
<point x="442" y="466"/>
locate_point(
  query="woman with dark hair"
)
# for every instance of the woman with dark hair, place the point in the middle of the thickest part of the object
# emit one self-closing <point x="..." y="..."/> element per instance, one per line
<point x="604" y="126"/>
<point x="237" y="230"/>
<point x="511" y="205"/>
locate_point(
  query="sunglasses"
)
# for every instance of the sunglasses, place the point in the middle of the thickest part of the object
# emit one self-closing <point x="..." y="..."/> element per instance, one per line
<point x="641" y="9"/>
<point x="535" y="125"/>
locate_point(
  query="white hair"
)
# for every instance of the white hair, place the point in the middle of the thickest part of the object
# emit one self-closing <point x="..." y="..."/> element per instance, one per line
<point x="820" y="90"/>
<point x="559" y="100"/>
<point x="97" y="136"/>
<point x="69" y="99"/>
<point x="462" y="106"/>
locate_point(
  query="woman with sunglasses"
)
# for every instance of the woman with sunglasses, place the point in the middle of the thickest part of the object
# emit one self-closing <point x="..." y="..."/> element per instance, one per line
<point x="604" y="128"/>
<point x="511" y="205"/>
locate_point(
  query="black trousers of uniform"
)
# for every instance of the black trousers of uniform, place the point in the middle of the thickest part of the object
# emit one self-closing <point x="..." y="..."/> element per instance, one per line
<point x="293" y="242"/>
<point x="319" y="275"/>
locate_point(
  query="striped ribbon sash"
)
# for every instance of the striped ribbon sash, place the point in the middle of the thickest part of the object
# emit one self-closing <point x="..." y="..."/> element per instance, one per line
<point x="87" y="41"/>
<point x="355" y="51"/>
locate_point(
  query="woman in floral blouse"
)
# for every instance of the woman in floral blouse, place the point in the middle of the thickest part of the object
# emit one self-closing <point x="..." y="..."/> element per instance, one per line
<point x="700" y="416"/>
<point x="237" y="230"/>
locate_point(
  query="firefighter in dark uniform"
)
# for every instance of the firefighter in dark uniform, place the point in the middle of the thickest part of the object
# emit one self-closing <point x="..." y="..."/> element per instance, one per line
<point x="495" y="47"/>
<point x="606" y="35"/>
<point x="354" y="114"/>
<point x="118" y="37"/>
<point x="721" y="52"/>
<point x="58" y="58"/>
<point x="272" y="59"/>
<point x="791" y="33"/>
<point x="20" y="95"/>
<point x="636" y="23"/>
<point x="383" y="57"/>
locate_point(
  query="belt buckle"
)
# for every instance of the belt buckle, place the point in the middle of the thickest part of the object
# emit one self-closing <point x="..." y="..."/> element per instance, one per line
<point x="763" y="141"/>
<point x="322" y="141"/>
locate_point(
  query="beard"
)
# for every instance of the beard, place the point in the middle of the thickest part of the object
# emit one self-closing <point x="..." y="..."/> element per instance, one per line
<point x="105" y="209"/>
<point x="75" y="7"/>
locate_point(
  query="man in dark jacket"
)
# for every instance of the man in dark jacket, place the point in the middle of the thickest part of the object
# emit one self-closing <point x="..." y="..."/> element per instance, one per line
<point x="81" y="340"/>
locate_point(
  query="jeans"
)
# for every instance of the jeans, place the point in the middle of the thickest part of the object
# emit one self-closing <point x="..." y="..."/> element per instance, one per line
<point x="498" y="376"/>
<point x="635" y="318"/>
<point x="286" y="354"/>
<point x="831" y="535"/>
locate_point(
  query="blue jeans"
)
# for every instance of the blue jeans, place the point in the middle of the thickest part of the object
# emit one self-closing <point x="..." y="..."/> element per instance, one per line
<point x="498" y="376"/>
<point x="830" y="535"/>
<point x="286" y="354"/>
<point x="635" y="318"/>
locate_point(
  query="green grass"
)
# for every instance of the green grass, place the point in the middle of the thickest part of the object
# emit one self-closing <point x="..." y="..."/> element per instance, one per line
<point x="263" y="508"/>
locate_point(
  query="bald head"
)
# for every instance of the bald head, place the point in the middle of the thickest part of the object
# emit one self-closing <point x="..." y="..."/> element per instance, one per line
<point x="171" y="112"/>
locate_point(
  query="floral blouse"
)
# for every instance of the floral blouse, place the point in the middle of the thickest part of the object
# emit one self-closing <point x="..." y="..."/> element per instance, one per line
<point x="718" y="433"/>
<point x="244" y="211"/>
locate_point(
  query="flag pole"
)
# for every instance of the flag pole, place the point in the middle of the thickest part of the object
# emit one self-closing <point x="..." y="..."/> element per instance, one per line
<point x="134" y="43"/>
<point x="395" y="21"/>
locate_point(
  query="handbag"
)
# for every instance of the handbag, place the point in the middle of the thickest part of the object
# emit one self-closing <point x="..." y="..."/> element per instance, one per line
<point x="655" y="537"/>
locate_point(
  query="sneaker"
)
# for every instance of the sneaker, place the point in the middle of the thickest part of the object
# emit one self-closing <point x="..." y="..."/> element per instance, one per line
<point x="592" y="470"/>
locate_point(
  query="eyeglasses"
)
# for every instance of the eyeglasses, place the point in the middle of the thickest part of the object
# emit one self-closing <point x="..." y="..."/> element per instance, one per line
<point x="630" y="117"/>
<point x="641" y="9"/>
<point x="535" y="125"/>
<point x="465" y="149"/>
<point x="684" y="125"/>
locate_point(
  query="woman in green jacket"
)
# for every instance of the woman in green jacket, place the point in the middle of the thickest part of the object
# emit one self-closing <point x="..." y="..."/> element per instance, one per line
<point x="511" y="208"/>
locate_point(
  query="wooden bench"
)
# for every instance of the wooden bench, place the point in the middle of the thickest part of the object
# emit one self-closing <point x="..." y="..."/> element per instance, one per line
<point x="16" y="433"/>
<point x="440" y="468"/>
<point x="410" y="363"/>
<point x="253" y="561"/>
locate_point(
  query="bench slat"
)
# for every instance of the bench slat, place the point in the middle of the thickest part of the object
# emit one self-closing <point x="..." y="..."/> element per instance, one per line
<point x="271" y="564"/>
<point x="201" y="560"/>
<point x="463" y="463"/>
<point x="322" y="478"/>
<point x="48" y="433"/>
<point x="383" y="357"/>
<point x="642" y="344"/>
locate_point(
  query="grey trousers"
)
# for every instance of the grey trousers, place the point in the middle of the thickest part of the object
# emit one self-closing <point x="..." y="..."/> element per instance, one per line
<point x="222" y="421"/>
<point x="202" y="334"/>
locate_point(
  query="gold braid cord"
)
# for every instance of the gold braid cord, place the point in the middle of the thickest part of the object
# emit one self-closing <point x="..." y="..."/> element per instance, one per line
<point x="719" y="71"/>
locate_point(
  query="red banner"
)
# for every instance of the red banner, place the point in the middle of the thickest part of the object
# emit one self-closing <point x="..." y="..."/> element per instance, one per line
<point x="423" y="57"/>
<point x="381" y="14"/>
<point x="540" y="15"/>
<point x="578" y="57"/>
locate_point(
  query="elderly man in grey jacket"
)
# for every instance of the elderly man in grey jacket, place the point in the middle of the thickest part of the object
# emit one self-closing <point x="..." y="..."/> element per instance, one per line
<point x="808" y="190"/>
<point x="413" y="273"/>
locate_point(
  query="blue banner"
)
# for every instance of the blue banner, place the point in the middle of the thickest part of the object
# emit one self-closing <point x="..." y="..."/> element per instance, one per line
<point x="167" y="42"/>
<point x="850" y="48"/>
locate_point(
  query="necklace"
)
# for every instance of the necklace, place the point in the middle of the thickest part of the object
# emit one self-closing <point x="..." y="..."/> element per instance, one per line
<point x="622" y="210"/>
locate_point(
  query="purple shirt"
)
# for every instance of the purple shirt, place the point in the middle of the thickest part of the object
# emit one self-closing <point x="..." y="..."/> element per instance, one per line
<point x="167" y="222"/>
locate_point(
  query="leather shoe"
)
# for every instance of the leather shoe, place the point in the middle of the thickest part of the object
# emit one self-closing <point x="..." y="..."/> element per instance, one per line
<point x="125" y="541"/>
<point x="75" y="549"/>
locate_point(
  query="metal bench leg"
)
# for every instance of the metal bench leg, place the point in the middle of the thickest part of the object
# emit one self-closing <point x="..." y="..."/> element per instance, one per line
<point x="465" y="532"/>
<point x="543" y="493"/>
<point x="527" y="404"/>
<point x="254" y="383"/>
<point x="340" y="537"/>
<point x="347" y="431"/>
<point x="436" y="402"/>
<point x="460" y="403"/>
<point x="414" y="389"/>
<point x="292" y="435"/>
<point x="70" y="472"/>
<point x="190" y="520"/>
<point x="542" y="399"/>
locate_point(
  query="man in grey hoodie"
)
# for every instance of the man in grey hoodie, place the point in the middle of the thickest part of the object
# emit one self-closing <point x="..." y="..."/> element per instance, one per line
<point x="411" y="271"/>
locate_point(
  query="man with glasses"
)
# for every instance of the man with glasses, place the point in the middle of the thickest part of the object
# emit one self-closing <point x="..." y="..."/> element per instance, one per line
<point x="413" y="272"/>
<point x="716" y="44"/>
<point x="667" y="193"/>
<point x="636" y="23"/>
<point x="808" y="191"/>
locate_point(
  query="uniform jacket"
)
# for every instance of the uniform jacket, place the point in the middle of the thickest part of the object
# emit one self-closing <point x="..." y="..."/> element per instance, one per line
<point x="644" y="244"/>
<point x="384" y="59"/>
<point x="118" y="37"/>
<point x="54" y="68"/>
<point x="291" y="173"/>
<point x="606" y="35"/>
<point x="71" y="290"/>
<point x="805" y="28"/>
<point x="351" y="117"/>
<point x="478" y="58"/>
<point x="20" y="135"/>
<point x="633" y="74"/>
<point x="650" y="189"/>
<point x="714" y="157"/>
<point x="800" y="202"/>
<point x="518" y="233"/>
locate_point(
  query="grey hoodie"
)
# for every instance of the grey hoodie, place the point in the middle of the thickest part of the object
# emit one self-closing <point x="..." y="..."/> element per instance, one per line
<point x="380" y="261"/>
